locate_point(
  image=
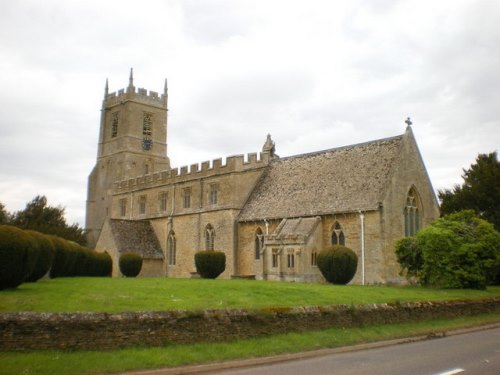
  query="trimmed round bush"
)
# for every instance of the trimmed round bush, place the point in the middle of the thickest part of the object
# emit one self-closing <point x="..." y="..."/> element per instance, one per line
<point x="14" y="247"/>
<point x="130" y="264"/>
<point x="104" y="265"/>
<point x="210" y="264"/>
<point x="338" y="264"/>
<point x="46" y="251"/>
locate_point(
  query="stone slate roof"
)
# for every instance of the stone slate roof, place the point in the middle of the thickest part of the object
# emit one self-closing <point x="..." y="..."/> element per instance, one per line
<point x="136" y="237"/>
<point x="342" y="179"/>
<point x="301" y="227"/>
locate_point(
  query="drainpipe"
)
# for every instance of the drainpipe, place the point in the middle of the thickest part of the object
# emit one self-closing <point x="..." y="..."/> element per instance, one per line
<point x="362" y="218"/>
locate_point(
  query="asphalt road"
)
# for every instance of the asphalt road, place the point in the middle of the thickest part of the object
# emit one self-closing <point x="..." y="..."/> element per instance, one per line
<point x="471" y="353"/>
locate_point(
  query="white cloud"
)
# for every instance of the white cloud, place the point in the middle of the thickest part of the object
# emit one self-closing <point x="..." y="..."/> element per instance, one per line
<point x="315" y="75"/>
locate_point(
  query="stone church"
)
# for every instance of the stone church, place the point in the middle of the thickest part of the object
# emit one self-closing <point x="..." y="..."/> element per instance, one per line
<point x="270" y="215"/>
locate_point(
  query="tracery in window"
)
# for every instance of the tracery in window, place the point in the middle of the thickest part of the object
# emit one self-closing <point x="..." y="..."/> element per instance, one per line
<point x="209" y="237"/>
<point x="147" y="131"/>
<point x="171" y="249"/>
<point x="114" y="124"/>
<point x="338" y="237"/>
<point x="259" y="243"/>
<point x="411" y="214"/>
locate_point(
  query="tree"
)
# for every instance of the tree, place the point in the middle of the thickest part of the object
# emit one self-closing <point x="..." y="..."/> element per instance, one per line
<point x="4" y="215"/>
<point x="459" y="250"/>
<point x="479" y="192"/>
<point x="41" y="217"/>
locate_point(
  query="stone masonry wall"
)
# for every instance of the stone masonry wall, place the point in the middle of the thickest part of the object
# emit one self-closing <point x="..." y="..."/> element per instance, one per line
<point x="98" y="331"/>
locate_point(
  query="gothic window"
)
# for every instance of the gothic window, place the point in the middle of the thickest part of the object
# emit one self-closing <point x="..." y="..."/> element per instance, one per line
<point x="209" y="237"/>
<point x="337" y="235"/>
<point x="186" y="197"/>
<point x="314" y="258"/>
<point x="114" y="124"/>
<point x="171" y="249"/>
<point x="411" y="214"/>
<point x="142" y="204"/>
<point x="212" y="194"/>
<point x="147" y="131"/>
<point x="123" y="207"/>
<point x="290" y="257"/>
<point x="162" y="201"/>
<point x="259" y="243"/>
<point x="275" y="258"/>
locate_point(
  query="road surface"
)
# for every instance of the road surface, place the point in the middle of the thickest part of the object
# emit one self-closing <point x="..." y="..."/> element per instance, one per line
<point x="471" y="353"/>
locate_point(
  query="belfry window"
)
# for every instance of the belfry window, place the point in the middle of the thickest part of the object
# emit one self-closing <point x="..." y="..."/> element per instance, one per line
<point x="338" y="237"/>
<point x="209" y="237"/>
<point x="259" y="243"/>
<point x="186" y="197"/>
<point x="147" y="131"/>
<point x="114" y="124"/>
<point x="411" y="214"/>
<point x="171" y="249"/>
<point x="212" y="194"/>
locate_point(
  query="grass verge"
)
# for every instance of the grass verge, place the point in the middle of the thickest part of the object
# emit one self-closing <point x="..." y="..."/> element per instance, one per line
<point x="116" y="361"/>
<point x="130" y="294"/>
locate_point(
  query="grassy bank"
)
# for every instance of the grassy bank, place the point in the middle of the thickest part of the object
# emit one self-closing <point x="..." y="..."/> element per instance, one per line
<point x="116" y="361"/>
<point x="121" y="294"/>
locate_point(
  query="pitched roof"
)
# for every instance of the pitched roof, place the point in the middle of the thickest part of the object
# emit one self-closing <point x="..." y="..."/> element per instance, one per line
<point x="296" y="228"/>
<point x="342" y="179"/>
<point x="136" y="237"/>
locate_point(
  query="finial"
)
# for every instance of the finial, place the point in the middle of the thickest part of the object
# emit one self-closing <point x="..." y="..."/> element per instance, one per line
<point x="106" y="89"/>
<point x="165" y="89"/>
<point x="408" y="122"/>
<point x="269" y="145"/>
<point x="131" y="78"/>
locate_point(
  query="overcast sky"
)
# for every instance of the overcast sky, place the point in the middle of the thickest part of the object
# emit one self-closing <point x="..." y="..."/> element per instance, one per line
<point x="314" y="74"/>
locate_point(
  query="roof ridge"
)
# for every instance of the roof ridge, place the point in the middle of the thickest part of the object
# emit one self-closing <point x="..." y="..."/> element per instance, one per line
<point x="338" y="148"/>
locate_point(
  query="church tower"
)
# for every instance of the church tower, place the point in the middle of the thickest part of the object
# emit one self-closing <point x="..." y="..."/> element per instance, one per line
<point x="132" y="143"/>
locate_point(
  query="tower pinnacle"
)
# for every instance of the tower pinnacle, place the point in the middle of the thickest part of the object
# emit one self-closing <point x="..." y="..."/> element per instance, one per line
<point x="165" y="89"/>
<point x="131" y="78"/>
<point x="106" y="89"/>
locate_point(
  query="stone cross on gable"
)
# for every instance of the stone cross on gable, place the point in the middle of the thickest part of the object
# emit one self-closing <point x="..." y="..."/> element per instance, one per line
<point x="408" y="121"/>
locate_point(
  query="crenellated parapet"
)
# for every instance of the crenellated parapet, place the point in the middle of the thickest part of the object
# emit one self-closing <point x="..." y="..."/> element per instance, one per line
<point x="141" y="95"/>
<point x="216" y="167"/>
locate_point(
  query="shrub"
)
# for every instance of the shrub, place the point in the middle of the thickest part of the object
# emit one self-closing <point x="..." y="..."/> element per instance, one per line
<point x="130" y="264"/>
<point x="14" y="247"/>
<point x="45" y="257"/>
<point x="104" y="265"/>
<point x="62" y="257"/>
<point x="409" y="256"/>
<point x="338" y="264"/>
<point x="210" y="264"/>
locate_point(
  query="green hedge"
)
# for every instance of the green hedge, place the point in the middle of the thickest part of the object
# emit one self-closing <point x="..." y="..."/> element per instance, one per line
<point x="130" y="264"/>
<point x="210" y="264"/>
<point x="46" y="251"/>
<point x="338" y="264"/>
<point x="14" y="247"/>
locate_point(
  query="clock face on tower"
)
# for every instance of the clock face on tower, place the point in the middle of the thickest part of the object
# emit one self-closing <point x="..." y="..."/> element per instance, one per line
<point x="147" y="144"/>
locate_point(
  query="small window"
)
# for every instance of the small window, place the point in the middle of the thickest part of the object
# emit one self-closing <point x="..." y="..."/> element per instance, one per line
<point x="186" y="193"/>
<point x="171" y="249"/>
<point x="275" y="258"/>
<point x="290" y="259"/>
<point x="314" y="258"/>
<point x="162" y="201"/>
<point x="114" y="124"/>
<point x="142" y="204"/>
<point x="209" y="237"/>
<point x="337" y="235"/>
<point x="123" y="207"/>
<point x="212" y="194"/>
<point x="259" y="243"/>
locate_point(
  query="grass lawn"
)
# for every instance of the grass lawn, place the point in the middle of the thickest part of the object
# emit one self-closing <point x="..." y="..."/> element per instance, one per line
<point x="116" y="361"/>
<point x="131" y="294"/>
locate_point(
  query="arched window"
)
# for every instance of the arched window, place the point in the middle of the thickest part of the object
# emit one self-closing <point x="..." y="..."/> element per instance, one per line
<point x="209" y="237"/>
<point x="171" y="248"/>
<point x="259" y="243"/>
<point x="338" y="237"/>
<point x="411" y="214"/>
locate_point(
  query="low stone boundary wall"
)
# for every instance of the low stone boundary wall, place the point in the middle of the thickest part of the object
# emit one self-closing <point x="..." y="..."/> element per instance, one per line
<point x="94" y="331"/>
